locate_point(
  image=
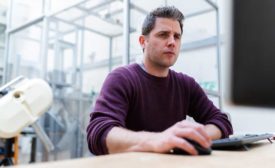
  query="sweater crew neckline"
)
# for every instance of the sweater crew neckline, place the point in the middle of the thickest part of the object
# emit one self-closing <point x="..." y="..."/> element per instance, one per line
<point x="152" y="77"/>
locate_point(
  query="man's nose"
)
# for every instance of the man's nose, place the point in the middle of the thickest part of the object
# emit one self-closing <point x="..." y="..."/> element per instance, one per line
<point x="171" y="41"/>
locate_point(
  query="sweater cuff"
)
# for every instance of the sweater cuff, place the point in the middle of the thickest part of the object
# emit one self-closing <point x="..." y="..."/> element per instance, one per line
<point x="226" y="129"/>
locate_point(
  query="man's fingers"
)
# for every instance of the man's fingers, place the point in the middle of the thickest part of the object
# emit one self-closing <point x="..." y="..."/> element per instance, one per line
<point x="193" y="134"/>
<point x="197" y="126"/>
<point x="183" y="145"/>
<point x="201" y="129"/>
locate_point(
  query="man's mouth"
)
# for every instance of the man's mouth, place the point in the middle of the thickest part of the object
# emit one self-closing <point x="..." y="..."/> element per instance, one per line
<point x="169" y="52"/>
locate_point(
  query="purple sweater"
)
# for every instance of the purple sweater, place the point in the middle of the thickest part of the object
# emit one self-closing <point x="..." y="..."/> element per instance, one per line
<point x="136" y="100"/>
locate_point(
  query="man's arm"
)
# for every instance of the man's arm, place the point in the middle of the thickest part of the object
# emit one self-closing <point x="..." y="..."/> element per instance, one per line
<point x="204" y="111"/>
<point x="122" y="140"/>
<point x="213" y="131"/>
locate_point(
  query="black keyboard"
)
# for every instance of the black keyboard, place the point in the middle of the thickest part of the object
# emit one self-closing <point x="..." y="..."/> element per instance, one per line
<point x="239" y="141"/>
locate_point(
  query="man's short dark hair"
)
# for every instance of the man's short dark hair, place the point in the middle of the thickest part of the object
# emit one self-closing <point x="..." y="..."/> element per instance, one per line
<point x="162" y="12"/>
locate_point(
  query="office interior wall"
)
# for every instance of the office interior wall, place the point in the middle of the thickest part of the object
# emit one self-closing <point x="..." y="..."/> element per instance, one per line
<point x="244" y="119"/>
<point x="25" y="11"/>
<point x="3" y="26"/>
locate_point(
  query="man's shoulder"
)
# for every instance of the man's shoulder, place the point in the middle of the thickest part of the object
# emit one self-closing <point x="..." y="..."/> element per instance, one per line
<point x="127" y="70"/>
<point x="120" y="77"/>
<point x="130" y="67"/>
<point x="182" y="76"/>
<point x="124" y="73"/>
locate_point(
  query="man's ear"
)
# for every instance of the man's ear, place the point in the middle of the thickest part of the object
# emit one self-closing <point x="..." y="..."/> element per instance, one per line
<point x="142" y="41"/>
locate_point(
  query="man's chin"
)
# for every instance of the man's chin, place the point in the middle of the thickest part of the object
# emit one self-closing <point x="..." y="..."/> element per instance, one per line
<point x="165" y="63"/>
<point x="169" y="64"/>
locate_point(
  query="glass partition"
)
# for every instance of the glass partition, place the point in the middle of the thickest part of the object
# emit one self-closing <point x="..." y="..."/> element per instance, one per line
<point x="24" y="11"/>
<point x="24" y="52"/>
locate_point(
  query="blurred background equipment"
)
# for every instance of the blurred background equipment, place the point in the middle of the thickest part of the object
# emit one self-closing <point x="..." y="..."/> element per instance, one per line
<point x="22" y="102"/>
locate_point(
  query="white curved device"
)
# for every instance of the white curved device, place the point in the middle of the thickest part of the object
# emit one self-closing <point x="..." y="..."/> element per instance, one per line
<point x="23" y="101"/>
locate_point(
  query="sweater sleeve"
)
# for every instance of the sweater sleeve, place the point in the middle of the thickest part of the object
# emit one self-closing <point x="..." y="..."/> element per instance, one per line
<point x="204" y="111"/>
<point x="110" y="110"/>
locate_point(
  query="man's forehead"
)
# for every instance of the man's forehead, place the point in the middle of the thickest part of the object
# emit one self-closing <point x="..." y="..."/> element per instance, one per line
<point x="166" y="24"/>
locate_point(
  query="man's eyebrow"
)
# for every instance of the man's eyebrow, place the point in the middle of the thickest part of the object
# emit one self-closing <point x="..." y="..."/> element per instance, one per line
<point x="178" y="34"/>
<point x="167" y="31"/>
<point x="163" y="31"/>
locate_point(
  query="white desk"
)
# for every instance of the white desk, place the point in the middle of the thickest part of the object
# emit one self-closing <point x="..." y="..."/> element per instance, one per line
<point x="261" y="155"/>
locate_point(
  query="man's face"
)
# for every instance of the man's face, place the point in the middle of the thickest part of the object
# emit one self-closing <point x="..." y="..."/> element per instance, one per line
<point x="162" y="45"/>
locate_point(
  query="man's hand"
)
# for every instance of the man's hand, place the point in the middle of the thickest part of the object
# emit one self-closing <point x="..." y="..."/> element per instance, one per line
<point x="175" y="137"/>
<point x="122" y="140"/>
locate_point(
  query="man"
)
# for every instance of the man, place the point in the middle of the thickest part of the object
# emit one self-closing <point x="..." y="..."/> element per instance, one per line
<point x="143" y="107"/>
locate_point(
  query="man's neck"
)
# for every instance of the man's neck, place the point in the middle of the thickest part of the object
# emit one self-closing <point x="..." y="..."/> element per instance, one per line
<point x="155" y="70"/>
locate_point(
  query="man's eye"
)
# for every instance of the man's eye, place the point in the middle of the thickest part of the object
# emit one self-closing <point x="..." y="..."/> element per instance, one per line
<point x="177" y="36"/>
<point x="163" y="35"/>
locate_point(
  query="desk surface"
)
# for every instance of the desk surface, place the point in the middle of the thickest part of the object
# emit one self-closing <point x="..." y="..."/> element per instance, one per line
<point x="261" y="154"/>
